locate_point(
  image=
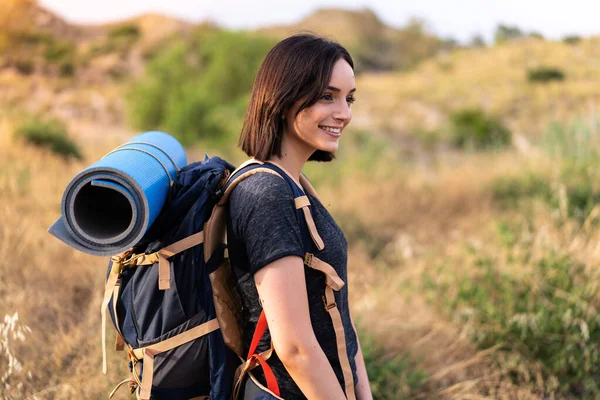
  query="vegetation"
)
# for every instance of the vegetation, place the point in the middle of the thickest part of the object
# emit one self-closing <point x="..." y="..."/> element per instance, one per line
<point x="473" y="128"/>
<point x="505" y="33"/>
<point x="211" y="103"/>
<point x="572" y="39"/>
<point x="50" y="134"/>
<point x="545" y="314"/>
<point x="545" y="74"/>
<point x="472" y="274"/>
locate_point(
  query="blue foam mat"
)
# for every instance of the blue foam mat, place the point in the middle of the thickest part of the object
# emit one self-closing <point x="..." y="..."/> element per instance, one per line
<point x="108" y="207"/>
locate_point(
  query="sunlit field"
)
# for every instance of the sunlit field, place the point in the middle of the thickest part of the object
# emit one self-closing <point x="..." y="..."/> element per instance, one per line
<point x="467" y="188"/>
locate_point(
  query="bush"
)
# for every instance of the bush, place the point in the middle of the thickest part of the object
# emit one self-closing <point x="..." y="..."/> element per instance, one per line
<point x="66" y="69"/>
<point x="472" y="128"/>
<point x="51" y="134"/>
<point x="129" y="31"/>
<point x="25" y="67"/>
<point x="59" y="51"/>
<point x="508" y="191"/>
<point x="506" y="33"/>
<point x="198" y="91"/>
<point x="546" y="314"/>
<point x="545" y="74"/>
<point x="572" y="39"/>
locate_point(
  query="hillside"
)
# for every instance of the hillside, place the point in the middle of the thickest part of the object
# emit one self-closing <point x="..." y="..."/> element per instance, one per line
<point x="494" y="79"/>
<point x="373" y="44"/>
<point x="409" y="81"/>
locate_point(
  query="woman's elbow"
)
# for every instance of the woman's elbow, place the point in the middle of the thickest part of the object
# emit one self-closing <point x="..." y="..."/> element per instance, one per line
<point x="297" y="353"/>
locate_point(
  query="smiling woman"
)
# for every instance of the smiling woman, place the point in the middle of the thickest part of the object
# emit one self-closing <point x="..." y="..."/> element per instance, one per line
<point x="288" y="254"/>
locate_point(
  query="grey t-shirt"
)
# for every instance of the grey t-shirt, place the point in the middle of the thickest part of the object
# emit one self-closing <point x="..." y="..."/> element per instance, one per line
<point x="263" y="227"/>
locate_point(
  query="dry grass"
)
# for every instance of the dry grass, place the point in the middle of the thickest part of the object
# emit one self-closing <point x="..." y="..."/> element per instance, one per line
<point x="55" y="290"/>
<point x="494" y="79"/>
<point x="400" y="225"/>
<point x="422" y="216"/>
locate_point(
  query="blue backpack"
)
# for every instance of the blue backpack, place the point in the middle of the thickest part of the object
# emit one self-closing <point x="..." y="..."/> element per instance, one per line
<point x="172" y="298"/>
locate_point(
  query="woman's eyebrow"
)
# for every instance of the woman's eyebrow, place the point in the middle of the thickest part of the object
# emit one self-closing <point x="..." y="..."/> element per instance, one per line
<point x="333" y="88"/>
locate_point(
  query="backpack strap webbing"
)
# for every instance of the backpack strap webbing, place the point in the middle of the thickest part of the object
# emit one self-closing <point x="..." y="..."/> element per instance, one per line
<point x="216" y="226"/>
<point x="303" y="203"/>
<point x="334" y="282"/>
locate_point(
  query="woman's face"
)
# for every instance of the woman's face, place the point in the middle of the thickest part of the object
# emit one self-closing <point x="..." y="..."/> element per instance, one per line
<point x="320" y="126"/>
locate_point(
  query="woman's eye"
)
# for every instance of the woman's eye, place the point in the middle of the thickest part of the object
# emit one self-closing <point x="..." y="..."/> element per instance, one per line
<point x="350" y="99"/>
<point x="327" y="96"/>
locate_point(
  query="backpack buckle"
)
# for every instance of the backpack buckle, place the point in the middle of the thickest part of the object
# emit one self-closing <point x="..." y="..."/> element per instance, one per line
<point x="308" y="260"/>
<point x="329" y="306"/>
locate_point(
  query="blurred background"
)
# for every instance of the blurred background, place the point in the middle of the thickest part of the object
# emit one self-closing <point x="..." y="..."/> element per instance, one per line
<point x="467" y="184"/>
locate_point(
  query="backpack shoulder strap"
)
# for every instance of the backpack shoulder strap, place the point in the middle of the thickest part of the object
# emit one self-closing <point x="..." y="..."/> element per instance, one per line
<point x="216" y="226"/>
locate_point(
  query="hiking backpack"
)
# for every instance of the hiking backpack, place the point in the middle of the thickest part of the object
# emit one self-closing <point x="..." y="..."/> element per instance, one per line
<point x="172" y="298"/>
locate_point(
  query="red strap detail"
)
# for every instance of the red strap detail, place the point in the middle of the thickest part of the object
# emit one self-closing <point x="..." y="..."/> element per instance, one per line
<point x="261" y="326"/>
<point x="269" y="375"/>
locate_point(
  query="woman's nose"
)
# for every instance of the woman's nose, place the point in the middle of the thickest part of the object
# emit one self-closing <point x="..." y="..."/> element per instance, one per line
<point x="343" y="112"/>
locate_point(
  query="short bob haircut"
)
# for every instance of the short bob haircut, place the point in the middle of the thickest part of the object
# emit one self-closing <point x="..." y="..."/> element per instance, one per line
<point x="297" y="68"/>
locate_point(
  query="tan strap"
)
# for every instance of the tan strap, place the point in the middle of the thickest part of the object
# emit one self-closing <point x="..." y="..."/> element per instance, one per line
<point x="161" y="256"/>
<point x="119" y="342"/>
<point x="303" y="203"/>
<point x="245" y="368"/>
<point x="334" y="282"/>
<point x="216" y="225"/>
<point x="113" y="276"/>
<point x="147" y="353"/>
<point x="132" y="384"/>
<point x="332" y="279"/>
<point x="164" y="273"/>
<point x="240" y="178"/>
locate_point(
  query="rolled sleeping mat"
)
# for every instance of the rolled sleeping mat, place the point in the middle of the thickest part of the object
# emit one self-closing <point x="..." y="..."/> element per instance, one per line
<point x="108" y="207"/>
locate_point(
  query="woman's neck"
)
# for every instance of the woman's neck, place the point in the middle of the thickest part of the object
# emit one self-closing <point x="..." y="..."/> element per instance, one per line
<point x="293" y="157"/>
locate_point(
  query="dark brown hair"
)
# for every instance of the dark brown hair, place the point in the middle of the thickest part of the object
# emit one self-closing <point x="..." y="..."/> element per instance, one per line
<point x="297" y="68"/>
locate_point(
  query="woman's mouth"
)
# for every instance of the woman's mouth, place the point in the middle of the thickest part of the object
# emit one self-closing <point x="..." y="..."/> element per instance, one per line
<point x="335" y="132"/>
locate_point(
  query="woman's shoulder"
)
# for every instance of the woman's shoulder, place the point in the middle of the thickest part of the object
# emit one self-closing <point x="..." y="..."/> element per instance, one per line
<point x="261" y="187"/>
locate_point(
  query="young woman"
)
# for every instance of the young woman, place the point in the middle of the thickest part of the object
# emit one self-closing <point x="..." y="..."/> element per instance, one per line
<point x="299" y="108"/>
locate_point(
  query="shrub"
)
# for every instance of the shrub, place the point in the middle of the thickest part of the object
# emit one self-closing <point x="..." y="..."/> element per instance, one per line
<point x="66" y="69"/>
<point x="25" y="67"/>
<point x="536" y="35"/>
<point x="472" y="128"/>
<point x="129" y="31"/>
<point x="572" y="39"/>
<point x="59" y="51"/>
<point x="546" y="314"/>
<point x="198" y="91"/>
<point x="506" y="33"/>
<point x="545" y="74"/>
<point x="50" y="134"/>
<point x="508" y="191"/>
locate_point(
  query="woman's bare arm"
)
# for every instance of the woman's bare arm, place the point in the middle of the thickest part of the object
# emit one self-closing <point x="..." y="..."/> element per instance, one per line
<point x="282" y="289"/>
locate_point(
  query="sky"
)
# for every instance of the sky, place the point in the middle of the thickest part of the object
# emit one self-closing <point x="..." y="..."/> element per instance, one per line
<point x="459" y="19"/>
